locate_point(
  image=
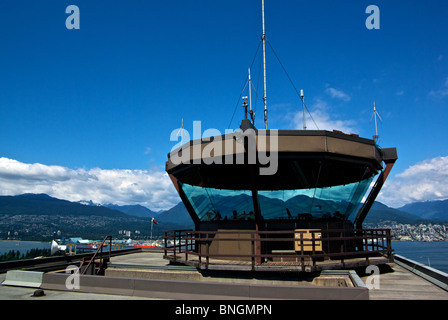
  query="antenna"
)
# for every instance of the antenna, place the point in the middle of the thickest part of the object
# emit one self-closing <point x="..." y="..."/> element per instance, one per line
<point x="250" y="93"/>
<point x="251" y="112"/>
<point x="264" y="69"/>
<point x="303" y="103"/>
<point x="375" y="114"/>
<point x="245" y="107"/>
<point x="181" y="129"/>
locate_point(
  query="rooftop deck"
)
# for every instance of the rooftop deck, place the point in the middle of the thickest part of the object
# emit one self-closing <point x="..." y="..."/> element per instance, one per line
<point x="151" y="270"/>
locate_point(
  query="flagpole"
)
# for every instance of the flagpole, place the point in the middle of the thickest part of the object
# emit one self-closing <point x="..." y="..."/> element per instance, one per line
<point x="152" y="223"/>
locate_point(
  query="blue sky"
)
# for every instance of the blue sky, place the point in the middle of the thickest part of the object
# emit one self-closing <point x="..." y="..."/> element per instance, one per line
<point x="103" y="100"/>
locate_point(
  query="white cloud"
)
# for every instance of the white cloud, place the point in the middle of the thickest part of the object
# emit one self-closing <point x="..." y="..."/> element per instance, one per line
<point x="338" y="94"/>
<point x="424" y="181"/>
<point x="443" y="92"/>
<point x="147" y="150"/>
<point x="152" y="189"/>
<point x="324" y="121"/>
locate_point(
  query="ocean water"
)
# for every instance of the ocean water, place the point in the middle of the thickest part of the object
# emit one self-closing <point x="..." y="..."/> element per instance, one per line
<point x="433" y="254"/>
<point x="22" y="246"/>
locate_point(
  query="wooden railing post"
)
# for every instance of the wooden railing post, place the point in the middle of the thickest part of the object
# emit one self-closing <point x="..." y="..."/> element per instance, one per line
<point x="200" y="248"/>
<point x="174" y="245"/>
<point x="301" y="251"/>
<point x="186" y="245"/>
<point x="207" y="252"/>
<point x="389" y="244"/>
<point x="110" y="246"/>
<point x="342" y="246"/>
<point x="253" y="251"/>
<point x="313" y="248"/>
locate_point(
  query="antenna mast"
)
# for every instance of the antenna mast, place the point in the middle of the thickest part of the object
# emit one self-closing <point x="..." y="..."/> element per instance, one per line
<point x="303" y="103"/>
<point x="181" y="134"/>
<point x="264" y="69"/>
<point x="375" y="114"/>
<point x="251" y="112"/>
<point x="250" y="94"/>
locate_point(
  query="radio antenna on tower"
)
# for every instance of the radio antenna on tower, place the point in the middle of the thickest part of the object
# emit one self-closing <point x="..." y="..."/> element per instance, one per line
<point x="375" y="114"/>
<point x="263" y="38"/>
<point x="303" y="102"/>
<point x="181" y="131"/>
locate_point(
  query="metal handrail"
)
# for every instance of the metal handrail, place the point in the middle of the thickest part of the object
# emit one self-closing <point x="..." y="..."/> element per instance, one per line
<point x="99" y="250"/>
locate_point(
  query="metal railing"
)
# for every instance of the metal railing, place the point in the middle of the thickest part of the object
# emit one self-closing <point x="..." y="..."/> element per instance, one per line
<point x="319" y="245"/>
<point x="99" y="252"/>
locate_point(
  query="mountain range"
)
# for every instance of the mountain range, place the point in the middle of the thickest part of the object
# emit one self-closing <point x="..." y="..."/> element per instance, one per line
<point x="430" y="210"/>
<point x="133" y="210"/>
<point x="381" y="213"/>
<point x="42" y="204"/>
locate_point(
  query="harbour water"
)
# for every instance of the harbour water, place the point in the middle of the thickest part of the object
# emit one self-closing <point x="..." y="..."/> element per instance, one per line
<point x="433" y="254"/>
<point x="22" y="246"/>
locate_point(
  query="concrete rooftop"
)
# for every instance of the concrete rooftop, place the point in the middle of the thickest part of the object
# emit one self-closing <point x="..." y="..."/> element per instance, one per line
<point x="395" y="281"/>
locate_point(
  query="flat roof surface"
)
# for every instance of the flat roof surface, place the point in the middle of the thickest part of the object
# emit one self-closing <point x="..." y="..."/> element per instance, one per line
<point x="397" y="284"/>
<point x="401" y="284"/>
<point x="23" y="293"/>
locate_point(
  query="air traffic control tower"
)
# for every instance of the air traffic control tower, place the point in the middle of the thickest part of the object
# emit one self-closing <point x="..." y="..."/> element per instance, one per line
<point x="305" y="215"/>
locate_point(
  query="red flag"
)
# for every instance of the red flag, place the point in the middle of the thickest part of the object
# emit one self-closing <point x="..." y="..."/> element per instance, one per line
<point x="154" y="221"/>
